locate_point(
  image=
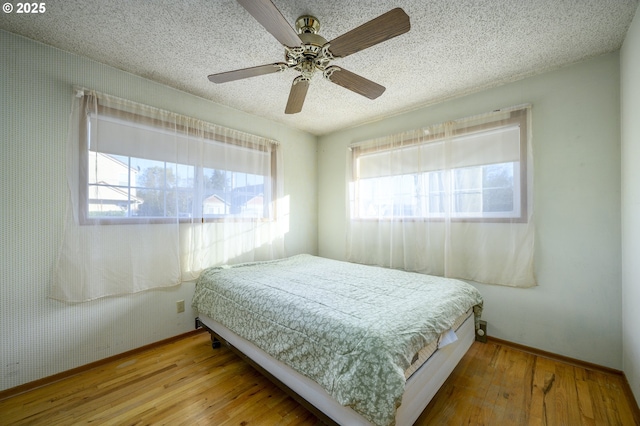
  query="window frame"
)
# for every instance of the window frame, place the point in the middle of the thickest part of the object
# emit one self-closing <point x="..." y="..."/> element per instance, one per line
<point x="517" y="117"/>
<point x="84" y="218"/>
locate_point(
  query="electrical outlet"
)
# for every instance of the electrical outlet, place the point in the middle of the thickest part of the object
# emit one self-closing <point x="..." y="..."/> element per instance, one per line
<point x="481" y="333"/>
<point x="180" y="306"/>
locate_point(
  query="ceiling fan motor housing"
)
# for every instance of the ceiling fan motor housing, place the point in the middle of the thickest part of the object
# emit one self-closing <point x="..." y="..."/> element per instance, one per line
<point x="311" y="56"/>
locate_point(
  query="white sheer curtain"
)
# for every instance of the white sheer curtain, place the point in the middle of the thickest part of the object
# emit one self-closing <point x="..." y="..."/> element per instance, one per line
<point x="155" y="197"/>
<point x="453" y="199"/>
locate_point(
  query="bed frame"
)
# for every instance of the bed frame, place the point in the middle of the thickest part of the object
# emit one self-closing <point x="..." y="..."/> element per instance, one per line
<point x="419" y="390"/>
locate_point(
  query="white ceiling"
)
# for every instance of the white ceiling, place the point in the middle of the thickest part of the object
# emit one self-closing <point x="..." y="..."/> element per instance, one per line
<point x="453" y="48"/>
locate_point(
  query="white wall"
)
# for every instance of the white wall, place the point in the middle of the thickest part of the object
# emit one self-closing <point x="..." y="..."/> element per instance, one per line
<point x="576" y="114"/>
<point x="630" y="101"/>
<point x="38" y="336"/>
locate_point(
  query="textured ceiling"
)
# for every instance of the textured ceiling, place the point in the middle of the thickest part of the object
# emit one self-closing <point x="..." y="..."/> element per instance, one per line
<point x="453" y="48"/>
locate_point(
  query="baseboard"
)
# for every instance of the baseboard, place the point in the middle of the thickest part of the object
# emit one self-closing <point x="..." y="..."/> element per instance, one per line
<point x="577" y="363"/>
<point x="8" y="393"/>
<point x="555" y="357"/>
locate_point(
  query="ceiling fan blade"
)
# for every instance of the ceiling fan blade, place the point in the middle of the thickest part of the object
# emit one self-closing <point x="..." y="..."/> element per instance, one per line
<point x="354" y="82"/>
<point x="224" y="77"/>
<point x="386" y="26"/>
<point x="296" y="96"/>
<point x="268" y="15"/>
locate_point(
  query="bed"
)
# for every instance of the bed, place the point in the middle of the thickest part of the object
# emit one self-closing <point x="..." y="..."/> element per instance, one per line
<point x="364" y="345"/>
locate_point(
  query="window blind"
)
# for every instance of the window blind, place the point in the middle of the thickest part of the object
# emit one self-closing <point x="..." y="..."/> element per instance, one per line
<point x="111" y="135"/>
<point x="493" y="146"/>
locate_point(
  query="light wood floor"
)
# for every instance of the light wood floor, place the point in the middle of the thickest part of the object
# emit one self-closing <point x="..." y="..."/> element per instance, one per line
<point x="187" y="382"/>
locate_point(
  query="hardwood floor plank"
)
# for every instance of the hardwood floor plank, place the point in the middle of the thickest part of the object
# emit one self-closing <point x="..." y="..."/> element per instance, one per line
<point x="615" y="386"/>
<point x="187" y="382"/>
<point x="584" y="402"/>
<point x="537" y="415"/>
<point x="599" y="401"/>
<point x="498" y="397"/>
<point x="522" y="375"/>
<point x="484" y="369"/>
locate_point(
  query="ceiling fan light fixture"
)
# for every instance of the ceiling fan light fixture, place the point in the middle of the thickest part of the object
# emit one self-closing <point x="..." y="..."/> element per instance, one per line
<point x="306" y="67"/>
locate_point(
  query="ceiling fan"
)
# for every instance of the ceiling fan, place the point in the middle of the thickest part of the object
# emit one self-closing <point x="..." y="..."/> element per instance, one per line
<point x="307" y="52"/>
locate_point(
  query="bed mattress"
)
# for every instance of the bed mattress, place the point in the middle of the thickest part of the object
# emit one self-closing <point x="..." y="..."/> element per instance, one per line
<point x="420" y="387"/>
<point x="353" y="329"/>
<point x="445" y="338"/>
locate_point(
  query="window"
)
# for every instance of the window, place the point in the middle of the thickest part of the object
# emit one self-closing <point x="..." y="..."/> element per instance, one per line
<point x="477" y="172"/>
<point x="451" y="199"/>
<point x="176" y="195"/>
<point x="135" y="168"/>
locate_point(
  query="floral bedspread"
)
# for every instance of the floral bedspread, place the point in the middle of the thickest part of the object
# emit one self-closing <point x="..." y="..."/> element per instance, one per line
<point x="351" y="328"/>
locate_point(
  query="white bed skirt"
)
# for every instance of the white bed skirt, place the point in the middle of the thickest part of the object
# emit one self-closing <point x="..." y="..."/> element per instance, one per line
<point x="419" y="390"/>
